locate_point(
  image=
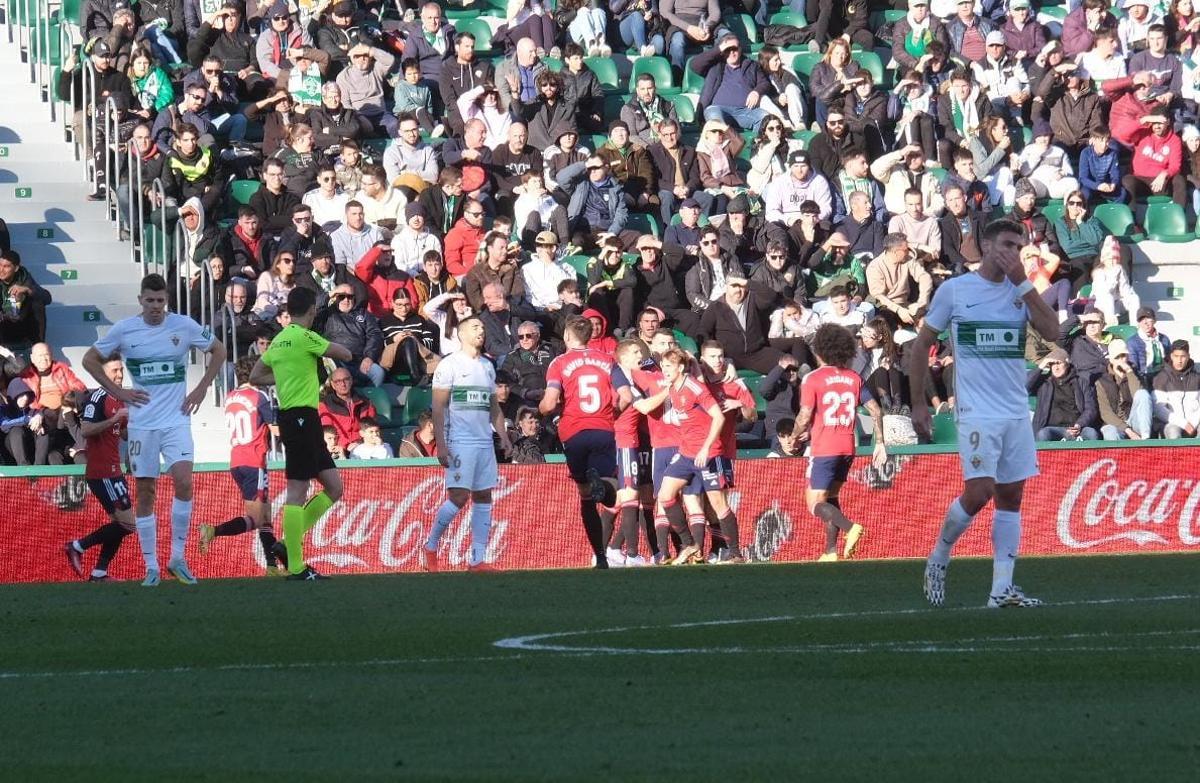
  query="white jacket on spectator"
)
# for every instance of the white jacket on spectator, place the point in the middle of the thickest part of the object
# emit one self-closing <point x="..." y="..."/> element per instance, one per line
<point x="390" y="207"/>
<point x="1110" y="284"/>
<point x="409" y="249"/>
<point x="1049" y="169"/>
<point x="326" y="210"/>
<point x="1177" y="397"/>
<point x="785" y="194"/>
<point x="891" y="171"/>
<point x="766" y="166"/>
<point x="1003" y="79"/>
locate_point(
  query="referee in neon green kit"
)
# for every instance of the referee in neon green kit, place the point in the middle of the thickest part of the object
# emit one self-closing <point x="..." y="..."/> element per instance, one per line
<point x="290" y="363"/>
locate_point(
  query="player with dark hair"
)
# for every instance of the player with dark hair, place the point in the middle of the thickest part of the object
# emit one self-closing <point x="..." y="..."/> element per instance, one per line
<point x="581" y="379"/>
<point x="634" y="480"/>
<point x="828" y="419"/>
<point x="699" y="419"/>
<point x="986" y="312"/>
<point x="250" y="418"/>
<point x="290" y="364"/>
<point x="156" y="345"/>
<point x="465" y="414"/>
<point x="102" y="425"/>
<point x="736" y="403"/>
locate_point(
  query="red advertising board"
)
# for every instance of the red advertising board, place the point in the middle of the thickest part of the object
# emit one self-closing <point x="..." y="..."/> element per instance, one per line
<point x="1095" y="500"/>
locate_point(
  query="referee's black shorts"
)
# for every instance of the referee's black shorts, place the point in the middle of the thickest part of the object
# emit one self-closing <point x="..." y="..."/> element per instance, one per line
<point x="305" y="455"/>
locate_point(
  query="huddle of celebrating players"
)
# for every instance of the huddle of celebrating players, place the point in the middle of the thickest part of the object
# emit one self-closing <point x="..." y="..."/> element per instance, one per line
<point x="648" y="439"/>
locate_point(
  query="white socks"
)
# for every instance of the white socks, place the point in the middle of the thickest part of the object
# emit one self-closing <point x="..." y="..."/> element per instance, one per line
<point x="1006" y="541"/>
<point x="956" y="523"/>
<point x="181" y="520"/>
<point x="147" y="533"/>
<point x="481" y="528"/>
<point x="445" y="515"/>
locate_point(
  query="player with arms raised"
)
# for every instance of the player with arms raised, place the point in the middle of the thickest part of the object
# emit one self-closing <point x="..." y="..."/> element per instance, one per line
<point x="290" y="363"/>
<point x="103" y="427"/>
<point x="829" y="399"/>
<point x="465" y="412"/>
<point x="581" y="379"/>
<point x="986" y="312"/>
<point x="249" y="417"/>
<point x="155" y="345"/>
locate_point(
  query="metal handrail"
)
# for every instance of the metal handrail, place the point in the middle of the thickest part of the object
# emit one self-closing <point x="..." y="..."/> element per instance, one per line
<point x="111" y="158"/>
<point x="89" y="122"/>
<point x="157" y="258"/>
<point x="136" y="201"/>
<point x="183" y="298"/>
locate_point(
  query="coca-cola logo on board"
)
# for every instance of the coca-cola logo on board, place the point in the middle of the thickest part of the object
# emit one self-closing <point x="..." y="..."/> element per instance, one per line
<point x="1099" y="509"/>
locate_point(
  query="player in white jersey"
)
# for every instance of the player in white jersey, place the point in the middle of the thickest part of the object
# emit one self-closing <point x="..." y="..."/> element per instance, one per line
<point x="464" y="412"/>
<point x="155" y="345"/>
<point x="986" y="312"/>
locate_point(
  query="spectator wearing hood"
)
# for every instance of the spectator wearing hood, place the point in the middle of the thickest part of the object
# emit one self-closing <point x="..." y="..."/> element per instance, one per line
<point x="200" y="239"/>
<point x="15" y="416"/>
<point x="742" y="235"/>
<point x="601" y="340"/>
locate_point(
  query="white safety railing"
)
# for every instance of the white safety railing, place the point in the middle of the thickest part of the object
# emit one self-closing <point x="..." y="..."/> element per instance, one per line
<point x="136" y="200"/>
<point x="112" y="160"/>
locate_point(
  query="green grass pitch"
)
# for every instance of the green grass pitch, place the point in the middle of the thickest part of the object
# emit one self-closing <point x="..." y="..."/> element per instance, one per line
<point x="825" y="672"/>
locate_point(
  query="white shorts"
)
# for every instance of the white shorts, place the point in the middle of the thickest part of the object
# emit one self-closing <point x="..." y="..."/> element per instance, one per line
<point x="999" y="449"/>
<point x="473" y="468"/>
<point x="145" y="447"/>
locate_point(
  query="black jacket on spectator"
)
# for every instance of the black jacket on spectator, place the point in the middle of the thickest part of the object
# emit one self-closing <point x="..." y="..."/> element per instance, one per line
<point x="300" y="245"/>
<point x="330" y="127"/>
<point x="274" y="211"/>
<point x="358" y="330"/>
<point x="241" y="255"/>
<point x="1042" y="385"/>
<point x="111" y="83"/>
<point x="457" y="79"/>
<point x="529" y="369"/>
<point x="826" y="153"/>
<point x="235" y="49"/>
<point x="198" y="175"/>
<point x="720" y="323"/>
<point x="340" y="276"/>
<point x="749" y="246"/>
<point x="864" y="237"/>
<point x="433" y="199"/>
<point x="782" y="396"/>
<point x="1037" y="228"/>
<point x="658" y="287"/>
<point x="1089" y="358"/>
<point x="664" y="167"/>
<point x="499" y="331"/>
<point x="952" y="238"/>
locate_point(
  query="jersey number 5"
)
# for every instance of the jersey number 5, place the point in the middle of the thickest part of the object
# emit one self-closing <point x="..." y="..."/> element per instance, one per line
<point x="839" y="409"/>
<point x="589" y="395"/>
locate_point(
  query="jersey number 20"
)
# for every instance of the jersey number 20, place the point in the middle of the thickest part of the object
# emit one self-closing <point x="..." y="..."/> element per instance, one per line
<point x="241" y="431"/>
<point x="839" y="409"/>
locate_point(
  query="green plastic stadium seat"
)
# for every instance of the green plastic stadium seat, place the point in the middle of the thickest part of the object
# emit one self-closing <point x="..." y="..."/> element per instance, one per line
<point x="871" y="62"/>
<point x="379" y="398"/>
<point x="242" y="189"/>
<point x="478" y="28"/>
<point x="553" y="63"/>
<point x="685" y="107"/>
<point x="944" y="428"/>
<point x="804" y="62"/>
<point x="419" y="398"/>
<point x="613" y="101"/>
<point x="456" y="15"/>
<point x="743" y="26"/>
<point x="686" y="343"/>
<point x="660" y="69"/>
<point x="1123" y="331"/>
<point x="605" y="69"/>
<point x="1058" y="12"/>
<point x="1117" y="218"/>
<point x="891" y="17"/>
<point x="805" y="137"/>
<point x="693" y="82"/>
<point x="643" y="224"/>
<point x="788" y="17"/>
<point x="579" y="263"/>
<point x="1053" y="210"/>
<point x="1167" y="223"/>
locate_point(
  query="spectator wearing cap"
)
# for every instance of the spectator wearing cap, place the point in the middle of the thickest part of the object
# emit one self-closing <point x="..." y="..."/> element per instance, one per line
<point x="891" y="278"/>
<point x="913" y="33"/>
<point x="1148" y="347"/>
<point x="325" y="276"/>
<point x="968" y="32"/>
<point x="740" y="321"/>
<point x="1177" y="394"/>
<point x="715" y="152"/>
<point x="544" y="272"/>
<point x="413" y="240"/>
<point x="657" y="285"/>
<point x="1157" y="167"/>
<point x="430" y="41"/>
<point x="1066" y="400"/>
<point x="1075" y="108"/>
<point x="1024" y="36"/>
<point x="1047" y="165"/>
<point x="744" y="236"/>
<point x="676" y="171"/>
<point x="1003" y="77"/>
<point x="685" y="233"/>
<point x="338" y="32"/>
<point x="629" y="163"/>
<point x="1126" y="409"/>
<point x="785" y="195"/>
<point x="410" y="163"/>
<point x="282" y="42"/>
<point x="363" y="85"/>
<point x="1027" y="214"/>
<point x="528" y="362"/>
<point x="1110" y="283"/>
<point x="378" y="272"/>
<point x="733" y="85"/>
<point x="646" y="110"/>
<point x="597" y="205"/>
<point x="1089" y="351"/>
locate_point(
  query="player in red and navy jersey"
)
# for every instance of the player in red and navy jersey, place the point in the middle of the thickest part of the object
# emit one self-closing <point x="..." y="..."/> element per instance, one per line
<point x="102" y="424"/>
<point x="828" y="418"/>
<point x="581" y="379"/>
<point x="737" y="403"/>
<point x="699" y="419"/>
<point x="633" y="459"/>
<point x="249" y="417"/>
<point x="664" y="445"/>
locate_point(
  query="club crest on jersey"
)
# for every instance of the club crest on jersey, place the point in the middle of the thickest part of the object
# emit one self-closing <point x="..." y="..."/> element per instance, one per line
<point x="175" y="340"/>
<point x="1017" y="303"/>
<point x="976" y="461"/>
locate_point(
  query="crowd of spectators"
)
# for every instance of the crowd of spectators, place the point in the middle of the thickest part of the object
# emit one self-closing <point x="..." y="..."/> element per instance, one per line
<point x="413" y="172"/>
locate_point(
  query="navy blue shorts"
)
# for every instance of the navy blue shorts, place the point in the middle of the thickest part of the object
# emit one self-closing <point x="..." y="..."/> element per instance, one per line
<point x="824" y="472"/>
<point x="662" y="457"/>
<point x="696" y="479"/>
<point x="718" y="474"/>
<point x="251" y="481"/>
<point x="591" y="450"/>
<point x="633" y="468"/>
<point x="113" y="493"/>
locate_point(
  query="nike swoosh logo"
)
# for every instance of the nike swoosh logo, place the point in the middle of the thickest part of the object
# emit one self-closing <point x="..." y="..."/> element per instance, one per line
<point x="973" y="305"/>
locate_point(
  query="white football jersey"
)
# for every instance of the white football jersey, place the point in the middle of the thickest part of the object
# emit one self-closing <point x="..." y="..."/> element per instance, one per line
<point x="472" y="384"/>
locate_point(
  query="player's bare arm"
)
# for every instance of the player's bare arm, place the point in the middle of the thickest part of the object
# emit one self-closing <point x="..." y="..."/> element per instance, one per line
<point x="338" y="352"/>
<point x="90" y="429"/>
<point x="262" y="375"/>
<point x="800" y="429"/>
<point x="549" y="401"/>
<point x="879" y="453"/>
<point x="441" y="401"/>
<point x="93" y="362"/>
<point x="216" y="361"/>
<point x="714" y="432"/>
<point x="500" y="427"/>
<point x="918" y="357"/>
